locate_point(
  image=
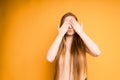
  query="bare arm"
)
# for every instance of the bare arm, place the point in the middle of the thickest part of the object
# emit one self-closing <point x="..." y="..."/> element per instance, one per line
<point x="52" y="52"/>
<point x="54" y="48"/>
<point x="91" y="47"/>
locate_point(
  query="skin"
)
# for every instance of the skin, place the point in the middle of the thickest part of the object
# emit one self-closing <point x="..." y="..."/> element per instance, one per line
<point x="69" y="27"/>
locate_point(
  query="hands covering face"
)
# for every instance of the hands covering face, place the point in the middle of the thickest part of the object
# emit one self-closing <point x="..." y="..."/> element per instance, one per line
<point x="70" y="22"/>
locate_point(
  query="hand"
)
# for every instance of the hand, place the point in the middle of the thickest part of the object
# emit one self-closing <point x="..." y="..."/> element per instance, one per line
<point x="64" y="28"/>
<point x="76" y="26"/>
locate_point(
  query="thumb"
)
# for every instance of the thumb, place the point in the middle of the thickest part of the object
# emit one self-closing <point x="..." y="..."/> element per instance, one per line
<point x="81" y="25"/>
<point x="58" y="28"/>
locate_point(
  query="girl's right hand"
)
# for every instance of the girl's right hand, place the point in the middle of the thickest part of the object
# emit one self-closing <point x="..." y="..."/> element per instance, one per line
<point x="64" y="28"/>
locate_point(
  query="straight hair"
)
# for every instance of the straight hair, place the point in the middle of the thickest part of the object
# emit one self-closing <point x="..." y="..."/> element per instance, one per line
<point x="77" y="54"/>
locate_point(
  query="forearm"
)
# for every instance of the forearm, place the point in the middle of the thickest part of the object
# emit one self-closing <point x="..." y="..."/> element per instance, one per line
<point x="52" y="52"/>
<point x="91" y="46"/>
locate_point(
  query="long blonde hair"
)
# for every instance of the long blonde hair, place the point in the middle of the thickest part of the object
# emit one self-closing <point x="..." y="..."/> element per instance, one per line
<point x="77" y="53"/>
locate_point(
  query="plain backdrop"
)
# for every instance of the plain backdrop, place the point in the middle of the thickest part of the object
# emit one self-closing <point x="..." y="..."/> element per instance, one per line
<point x="29" y="27"/>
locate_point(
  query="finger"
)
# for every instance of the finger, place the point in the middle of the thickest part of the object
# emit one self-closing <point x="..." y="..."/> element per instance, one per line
<point x="73" y="23"/>
<point x="82" y="26"/>
<point x="58" y="28"/>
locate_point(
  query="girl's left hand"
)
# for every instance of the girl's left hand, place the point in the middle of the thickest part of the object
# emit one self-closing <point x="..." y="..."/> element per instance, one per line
<point x="76" y="26"/>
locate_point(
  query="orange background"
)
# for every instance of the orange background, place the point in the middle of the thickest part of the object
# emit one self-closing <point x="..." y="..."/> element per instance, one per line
<point x="29" y="27"/>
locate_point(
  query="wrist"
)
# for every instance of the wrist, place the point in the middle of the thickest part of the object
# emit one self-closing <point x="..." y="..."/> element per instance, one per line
<point x="80" y="32"/>
<point x="61" y="34"/>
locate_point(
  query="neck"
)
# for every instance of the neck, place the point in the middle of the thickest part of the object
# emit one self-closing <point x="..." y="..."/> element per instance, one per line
<point x="69" y="40"/>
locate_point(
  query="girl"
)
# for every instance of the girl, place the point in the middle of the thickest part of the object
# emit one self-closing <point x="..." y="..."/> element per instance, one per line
<point x="69" y="50"/>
